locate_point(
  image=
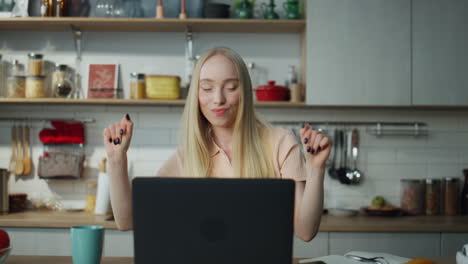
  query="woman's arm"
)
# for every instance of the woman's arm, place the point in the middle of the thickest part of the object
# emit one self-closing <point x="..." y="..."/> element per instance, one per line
<point x="309" y="194"/>
<point x="117" y="138"/>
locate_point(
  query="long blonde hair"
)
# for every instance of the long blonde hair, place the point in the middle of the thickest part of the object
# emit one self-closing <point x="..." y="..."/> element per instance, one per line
<point x="251" y="153"/>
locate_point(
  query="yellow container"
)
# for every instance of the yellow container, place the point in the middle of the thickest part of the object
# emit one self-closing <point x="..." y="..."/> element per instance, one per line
<point x="162" y="86"/>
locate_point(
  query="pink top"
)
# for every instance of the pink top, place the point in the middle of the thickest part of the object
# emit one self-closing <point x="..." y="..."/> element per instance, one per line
<point x="288" y="160"/>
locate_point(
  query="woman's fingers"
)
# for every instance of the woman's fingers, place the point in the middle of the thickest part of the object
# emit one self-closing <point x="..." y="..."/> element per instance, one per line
<point x="107" y="136"/>
<point x="324" y="143"/>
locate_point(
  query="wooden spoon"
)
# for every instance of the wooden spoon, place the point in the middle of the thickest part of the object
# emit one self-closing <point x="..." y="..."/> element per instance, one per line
<point x="27" y="159"/>
<point x="12" y="166"/>
<point x="19" y="153"/>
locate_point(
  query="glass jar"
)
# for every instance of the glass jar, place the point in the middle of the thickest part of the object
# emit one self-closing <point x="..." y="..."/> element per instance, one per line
<point x="16" y="69"/>
<point x="433" y="196"/>
<point x="412" y="196"/>
<point x="61" y="84"/>
<point x="35" y="87"/>
<point x="451" y="196"/>
<point x="35" y="64"/>
<point x="16" y="86"/>
<point x="137" y="86"/>
<point x="91" y="189"/>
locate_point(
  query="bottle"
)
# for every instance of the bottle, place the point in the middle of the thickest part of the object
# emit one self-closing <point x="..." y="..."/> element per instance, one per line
<point x="451" y="204"/>
<point x="137" y="86"/>
<point x="90" y="197"/>
<point x="292" y="76"/>
<point x="103" y="193"/>
<point x="61" y="85"/>
<point x="464" y="195"/>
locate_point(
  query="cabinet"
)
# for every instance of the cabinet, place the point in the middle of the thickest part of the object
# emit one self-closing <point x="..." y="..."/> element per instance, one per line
<point x="440" y="54"/>
<point x="358" y="52"/>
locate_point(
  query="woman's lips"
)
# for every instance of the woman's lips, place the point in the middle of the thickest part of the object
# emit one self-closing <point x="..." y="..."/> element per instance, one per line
<point x="219" y="112"/>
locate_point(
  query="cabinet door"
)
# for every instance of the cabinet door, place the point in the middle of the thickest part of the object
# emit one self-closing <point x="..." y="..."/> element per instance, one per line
<point x="409" y="245"/>
<point x="358" y="52"/>
<point x="440" y="53"/>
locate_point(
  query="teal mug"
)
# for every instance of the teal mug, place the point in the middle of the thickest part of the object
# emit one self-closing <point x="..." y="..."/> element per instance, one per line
<point x="87" y="243"/>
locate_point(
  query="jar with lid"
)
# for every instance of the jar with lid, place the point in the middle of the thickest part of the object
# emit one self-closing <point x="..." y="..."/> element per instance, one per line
<point x="35" y="87"/>
<point x="61" y="84"/>
<point x="137" y="86"/>
<point x="451" y="196"/>
<point x="16" y="86"/>
<point x="91" y="189"/>
<point x="433" y="196"/>
<point x="412" y="196"/>
<point x="35" y="64"/>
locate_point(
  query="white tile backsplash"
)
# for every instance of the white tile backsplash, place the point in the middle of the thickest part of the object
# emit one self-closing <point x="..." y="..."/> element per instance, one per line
<point x="383" y="160"/>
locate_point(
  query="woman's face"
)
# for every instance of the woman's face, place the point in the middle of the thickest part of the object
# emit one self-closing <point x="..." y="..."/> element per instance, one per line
<point x="219" y="91"/>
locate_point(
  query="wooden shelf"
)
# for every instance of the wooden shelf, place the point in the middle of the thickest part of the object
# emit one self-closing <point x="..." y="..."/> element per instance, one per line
<point x="178" y="102"/>
<point x="154" y="25"/>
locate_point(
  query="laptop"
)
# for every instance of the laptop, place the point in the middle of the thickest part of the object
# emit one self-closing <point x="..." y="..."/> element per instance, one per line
<point x="212" y="221"/>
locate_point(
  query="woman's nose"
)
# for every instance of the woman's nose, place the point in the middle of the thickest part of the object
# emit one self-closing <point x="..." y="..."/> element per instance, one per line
<point x="219" y="97"/>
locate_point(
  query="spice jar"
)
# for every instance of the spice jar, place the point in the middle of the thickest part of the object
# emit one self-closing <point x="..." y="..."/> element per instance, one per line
<point x="61" y="85"/>
<point x="35" y="86"/>
<point x="412" y="196"/>
<point x="433" y="191"/>
<point x="451" y="196"/>
<point x="35" y="64"/>
<point x="91" y="189"/>
<point x="15" y="86"/>
<point x="137" y="86"/>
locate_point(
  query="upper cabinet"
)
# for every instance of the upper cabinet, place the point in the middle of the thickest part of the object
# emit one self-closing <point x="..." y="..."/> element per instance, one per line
<point x="359" y="52"/>
<point x="440" y="52"/>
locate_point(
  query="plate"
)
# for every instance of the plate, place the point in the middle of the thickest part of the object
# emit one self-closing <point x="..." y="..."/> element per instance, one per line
<point x="376" y="212"/>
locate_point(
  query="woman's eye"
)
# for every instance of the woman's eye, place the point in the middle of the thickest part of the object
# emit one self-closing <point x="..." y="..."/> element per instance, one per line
<point x="206" y="88"/>
<point x="231" y="88"/>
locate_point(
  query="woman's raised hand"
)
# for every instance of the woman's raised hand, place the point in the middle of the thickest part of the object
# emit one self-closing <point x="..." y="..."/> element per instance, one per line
<point x="117" y="137"/>
<point x="317" y="147"/>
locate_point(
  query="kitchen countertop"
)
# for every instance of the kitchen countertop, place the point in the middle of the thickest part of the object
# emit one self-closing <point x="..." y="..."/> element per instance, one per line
<point x="52" y="219"/>
<point x="129" y="260"/>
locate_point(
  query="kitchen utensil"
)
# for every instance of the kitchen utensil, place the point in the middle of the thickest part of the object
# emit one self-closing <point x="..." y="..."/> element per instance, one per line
<point x="4" y="200"/>
<point x="12" y="165"/>
<point x="354" y="175"/>
<point x="343" y="168"/>
<point x="377" y="260"/>
<point x="27" y="159"/>
<point x="271" y="92"/>
<point x="182" y="14"/>
<point x="19" y="167"/>
<point x="332" y="169"/>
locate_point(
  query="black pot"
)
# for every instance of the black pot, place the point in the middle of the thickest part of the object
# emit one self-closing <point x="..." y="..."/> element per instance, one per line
<point x="216" y="10"/>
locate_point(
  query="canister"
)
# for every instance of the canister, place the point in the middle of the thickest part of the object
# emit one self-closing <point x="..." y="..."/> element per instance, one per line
<point x="162" y="86"/>
<point x="35" y="64"/>
<point x="35" y="86"/>
<point x="412" y="196"/>
<point x="451" y="194"/>
<point x="137" y="86"/>
<point x="16" y="86"/>
<point x="433" y="196"/>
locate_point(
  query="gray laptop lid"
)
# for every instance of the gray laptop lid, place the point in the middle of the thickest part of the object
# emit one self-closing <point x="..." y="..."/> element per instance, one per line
<point x="213" y="221"/>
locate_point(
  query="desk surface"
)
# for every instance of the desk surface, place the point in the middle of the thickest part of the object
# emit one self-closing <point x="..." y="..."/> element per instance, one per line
<point x="51" y="219"/>
<point x="129" y="260"/>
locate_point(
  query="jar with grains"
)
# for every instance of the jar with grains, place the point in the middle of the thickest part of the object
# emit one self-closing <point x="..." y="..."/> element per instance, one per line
<point x="16" y="86"/>
<point x="35" y="86"/>
<point x="433" y="197"/>
<point x="61" y="85"/>
<point x="35" y="64"/>
<point x="137" y="86"/>
<point x="412" y="196"/>
<point x="451" y="202"/>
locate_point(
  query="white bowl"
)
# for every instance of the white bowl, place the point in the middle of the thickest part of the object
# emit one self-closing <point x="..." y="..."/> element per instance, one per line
<point x="461" y="259"/>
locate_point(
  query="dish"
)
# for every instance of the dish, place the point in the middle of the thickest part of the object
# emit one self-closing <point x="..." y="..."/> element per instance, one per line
<point x="342" y="212"/>
<point x="378" y="212"/>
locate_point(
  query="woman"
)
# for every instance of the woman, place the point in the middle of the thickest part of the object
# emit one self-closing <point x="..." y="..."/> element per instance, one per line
<point x="224" y="138"/>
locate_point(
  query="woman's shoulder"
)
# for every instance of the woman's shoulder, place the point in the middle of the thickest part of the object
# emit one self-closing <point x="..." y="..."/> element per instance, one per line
<point x="280" y="134"/>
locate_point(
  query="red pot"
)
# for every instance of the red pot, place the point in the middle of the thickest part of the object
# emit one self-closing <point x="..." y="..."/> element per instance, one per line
<point x="271" y="92"/>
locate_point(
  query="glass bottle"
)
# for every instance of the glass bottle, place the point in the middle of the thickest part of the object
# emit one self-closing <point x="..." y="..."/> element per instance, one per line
<point x="412" y="196"/>
<point x="61" y="84"/>
<point x="292" y="76"/>
<point x="35" y="64"/>
<point x="464" y="195"/>
<point x="16" y="82"/>
<point x="433" y="196"/>
<point x="137" y="85"/>
<point x="91" y="189"/>
<point x="451" y="196"/>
